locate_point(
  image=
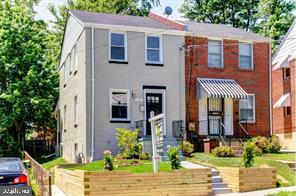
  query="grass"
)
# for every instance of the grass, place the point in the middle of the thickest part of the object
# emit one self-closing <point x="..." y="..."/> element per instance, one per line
<point x="284" y="193"/>
<point x="143" y="167"/>
<point x="52" y="163"/>
<point x="269" y="159"/>
<point x="33" y="184"/>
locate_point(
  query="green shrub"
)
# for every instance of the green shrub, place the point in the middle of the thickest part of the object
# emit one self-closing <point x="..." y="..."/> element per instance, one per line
<point x="223" y="151"/>
<point x="145" y="156"/>
<point x="262" y="143"/>
<point x="108" y="160"/>
<point x="188" y="148"/>
<point x="248" y="154"/>
<point x="128" y="143"/>
<point x="274" y="145"/>
<point x="174" y="158"/>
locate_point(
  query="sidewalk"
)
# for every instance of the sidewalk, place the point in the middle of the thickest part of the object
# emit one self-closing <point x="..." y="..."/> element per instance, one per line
<point x="263" y="192"/>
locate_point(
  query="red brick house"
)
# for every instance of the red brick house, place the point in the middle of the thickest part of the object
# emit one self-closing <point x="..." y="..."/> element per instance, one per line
<point x="284" y="90"/>
<point x="227" y="73"/>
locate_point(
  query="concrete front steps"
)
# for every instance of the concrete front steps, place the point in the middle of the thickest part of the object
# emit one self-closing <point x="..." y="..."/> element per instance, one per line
<point x="219" y="187"/>
<point x="235" y="144"/>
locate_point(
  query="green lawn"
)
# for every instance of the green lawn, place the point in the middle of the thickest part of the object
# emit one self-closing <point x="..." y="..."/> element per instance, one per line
<point x="52" y="163"/>
<point x="268" y="159"/>
<point x="284" y="193"/>
<point x="143" y="167"/>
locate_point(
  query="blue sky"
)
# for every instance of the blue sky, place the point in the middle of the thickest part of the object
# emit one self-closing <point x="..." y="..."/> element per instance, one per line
<point x="43" y="13"/>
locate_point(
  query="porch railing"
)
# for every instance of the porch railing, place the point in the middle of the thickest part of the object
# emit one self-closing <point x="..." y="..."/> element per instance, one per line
<point x="141" y="126"/>
<point x="242" y="130"/>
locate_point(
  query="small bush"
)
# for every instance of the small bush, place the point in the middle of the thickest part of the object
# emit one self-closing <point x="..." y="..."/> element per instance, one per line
<point x="274" y="145"/>
<point x="128" y="143"/>
<point x="108" y="160"/>
<point x="145" y="156"/>
<point x="248" y="156"/>
<point x="223" y="151"/>
<point x="174" y="158"/>
<point x="188" y="148"/>
<point x="261" y="142"/>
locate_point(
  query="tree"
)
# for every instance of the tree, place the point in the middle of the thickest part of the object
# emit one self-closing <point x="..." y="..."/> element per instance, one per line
<point x="270" y="18"/>
<point x="28" y="80"/>
<point x="275" y="18"/>
<point x="238" y="13"/>
<point x="128" y="7"/>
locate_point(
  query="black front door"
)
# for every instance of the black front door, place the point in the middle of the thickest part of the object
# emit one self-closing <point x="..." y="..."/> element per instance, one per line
<point x="153" y="103"/>
<point x="215" y="115"/>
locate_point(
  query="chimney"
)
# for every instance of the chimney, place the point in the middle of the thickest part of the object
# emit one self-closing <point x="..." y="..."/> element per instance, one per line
<point x="173" y="24"/>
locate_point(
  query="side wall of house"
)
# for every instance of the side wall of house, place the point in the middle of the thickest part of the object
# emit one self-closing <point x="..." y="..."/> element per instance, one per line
<point x="75" y="86"/>
<point x="284" y="126"/>
<point x="132" y="76"/>
<point x="254" y="81"/>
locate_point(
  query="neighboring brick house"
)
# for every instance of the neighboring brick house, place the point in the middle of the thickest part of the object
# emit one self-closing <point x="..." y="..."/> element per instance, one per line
<point x="284" y="90"/>
<point x="223" y="64"/>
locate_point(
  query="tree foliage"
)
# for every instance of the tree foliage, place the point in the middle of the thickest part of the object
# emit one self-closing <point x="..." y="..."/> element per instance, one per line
<point x="270" y="18"/>
<point x="28" y="80"/>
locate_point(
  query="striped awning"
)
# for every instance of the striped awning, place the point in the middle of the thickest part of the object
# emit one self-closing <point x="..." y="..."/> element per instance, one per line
<point x="221" y="88"/>
<point x="283" y="101"/>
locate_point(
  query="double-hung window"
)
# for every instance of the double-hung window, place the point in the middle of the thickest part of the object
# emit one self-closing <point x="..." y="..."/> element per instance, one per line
<point x="153" y="50"/>
<point x="247" y="109"/>
<point x="215" y="53"/>
<point x="118" y="46"/>
<point x="69" y="61"/>
<point x="245" y="56"/>
<point x="286" y="73"/>
<point x="75" y="58"/>
<point x="75" y="111"/>
<point x="65" y="73"/>
<point x="119" y="105"/>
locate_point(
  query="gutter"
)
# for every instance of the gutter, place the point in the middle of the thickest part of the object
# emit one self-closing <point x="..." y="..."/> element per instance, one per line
<point x="92" y="95"/>
<point x="270" y="90"/>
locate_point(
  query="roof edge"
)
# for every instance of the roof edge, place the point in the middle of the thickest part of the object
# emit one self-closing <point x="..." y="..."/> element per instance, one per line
<point x="170" y="23"/>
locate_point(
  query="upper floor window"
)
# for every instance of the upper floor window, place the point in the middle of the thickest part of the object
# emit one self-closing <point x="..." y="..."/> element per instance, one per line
<point x="118" y="46"/>
<point x="65" y="73"/>
<point x="286" y="73"/>
<point x="247" y="108"/>
<point x="245" y="56"/>
<point x="215" y="53"/>
<point x="69" y="62"/>
<point x="120" y="104"/>
<point x="153" y="50"/>
<point x="75" y="57"/>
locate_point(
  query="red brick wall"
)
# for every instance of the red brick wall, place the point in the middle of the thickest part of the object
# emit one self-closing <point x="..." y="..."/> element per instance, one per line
<point x="252" y="81"/>
<point x="282" y="123"/>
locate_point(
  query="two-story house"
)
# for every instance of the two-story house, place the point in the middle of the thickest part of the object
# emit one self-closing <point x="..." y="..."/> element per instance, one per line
<point x="114" y="70"/>
<point x="284" y="90"/>
<point x="227" y="83"/>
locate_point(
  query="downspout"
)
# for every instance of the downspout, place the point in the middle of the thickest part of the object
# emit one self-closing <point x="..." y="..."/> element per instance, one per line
<point x="270" y="90"/>
<point x="92" y="95"/>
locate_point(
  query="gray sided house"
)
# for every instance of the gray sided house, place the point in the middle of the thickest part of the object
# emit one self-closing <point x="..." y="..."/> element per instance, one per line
<point x="114" y="70"/>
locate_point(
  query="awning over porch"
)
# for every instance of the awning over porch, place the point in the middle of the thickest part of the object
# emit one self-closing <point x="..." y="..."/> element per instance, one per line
<point x="283" y="101"/>
<point x="220" y="88"/>
<point x="282" y="63"/>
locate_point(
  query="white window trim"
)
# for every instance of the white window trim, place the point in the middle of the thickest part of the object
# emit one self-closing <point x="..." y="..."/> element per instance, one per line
<point x="76" y="110"/>
<point x="160" y="49"/>
<point x="254" y="107"/>
<point x="128" y="104"/>
<point x="163" y="92"/>
<point x="222" y="53"/>
<point x="125" y="46"/>
<point x="252" y="56"/>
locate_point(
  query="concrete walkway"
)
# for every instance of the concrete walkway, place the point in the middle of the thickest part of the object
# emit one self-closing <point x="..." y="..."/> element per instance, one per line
<point x="189" y="165"/>
<point x="263" y="192"/>
<point x="56" y="191"/>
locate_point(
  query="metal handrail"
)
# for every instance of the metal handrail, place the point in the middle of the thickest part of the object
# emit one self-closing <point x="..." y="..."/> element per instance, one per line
<point x="220" y="135"/>
<point x="243" y="128"/>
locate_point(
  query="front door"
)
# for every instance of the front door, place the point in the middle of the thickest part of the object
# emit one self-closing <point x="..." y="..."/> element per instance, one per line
<point x="215" y="115"/>
<point x="153" y="103"/>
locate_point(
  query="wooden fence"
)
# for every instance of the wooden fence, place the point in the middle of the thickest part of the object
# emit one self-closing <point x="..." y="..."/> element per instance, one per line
<point x="42" y="176"/>
<point x="248" y="179"/>
<point x="180" y="182"/>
